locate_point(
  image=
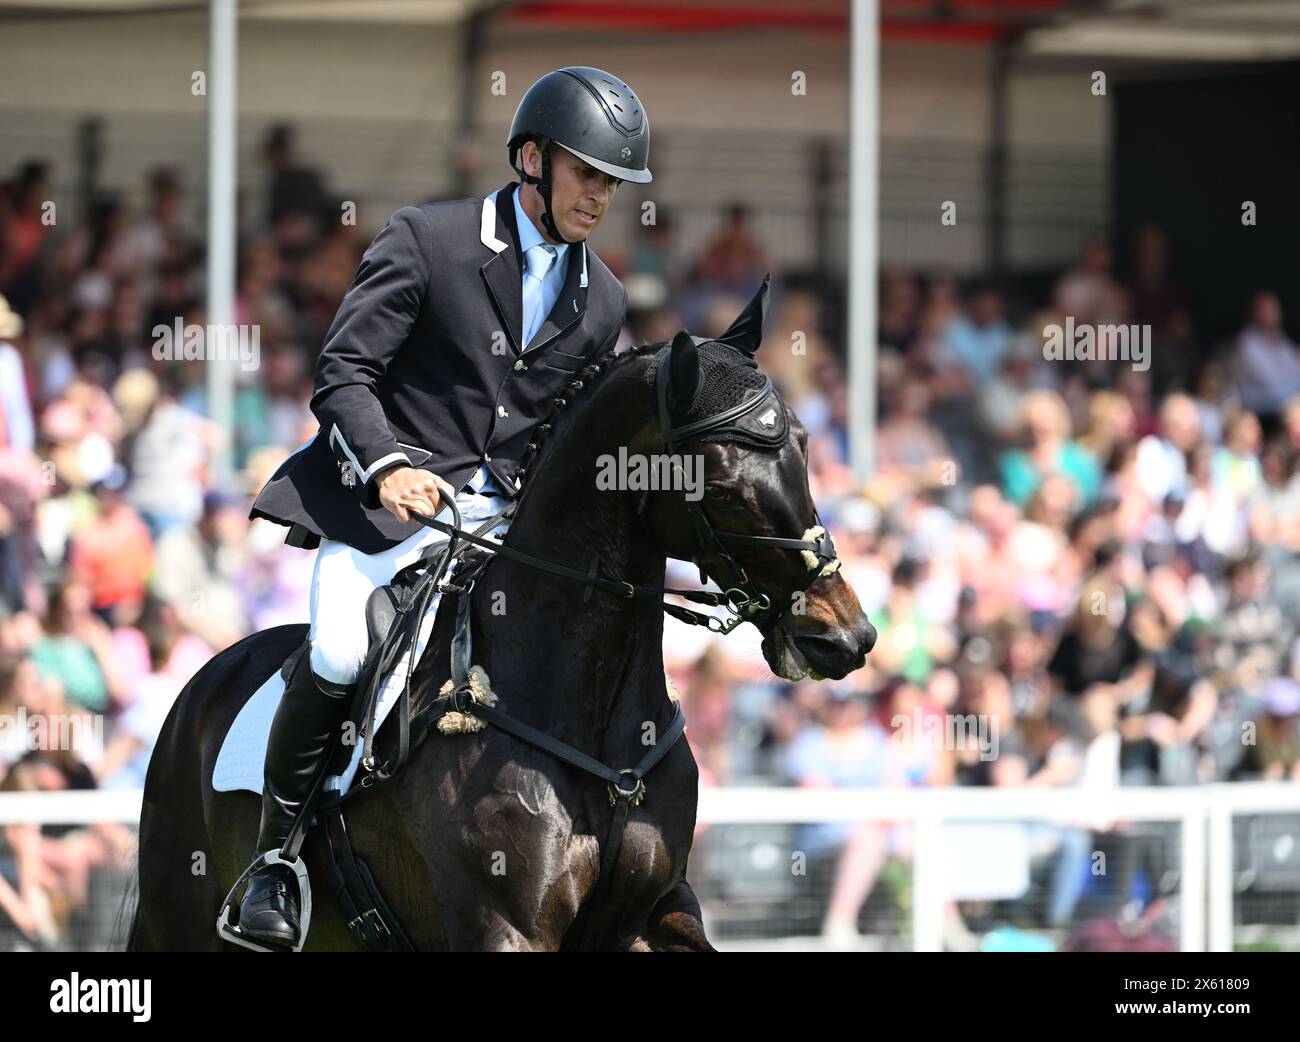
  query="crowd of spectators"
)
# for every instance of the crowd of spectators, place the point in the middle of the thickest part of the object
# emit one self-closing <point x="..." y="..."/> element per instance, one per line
<point x="1093" y="562"/>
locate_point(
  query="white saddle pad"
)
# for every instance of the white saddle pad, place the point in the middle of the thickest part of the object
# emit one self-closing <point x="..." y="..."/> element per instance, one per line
<point x="243" y="753"/>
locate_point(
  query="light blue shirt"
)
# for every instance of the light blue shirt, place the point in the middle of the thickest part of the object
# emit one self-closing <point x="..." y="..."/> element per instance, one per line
<point x="13" y="399"/>
<point x="978" y="348"/>
<point x="553" y="281"/>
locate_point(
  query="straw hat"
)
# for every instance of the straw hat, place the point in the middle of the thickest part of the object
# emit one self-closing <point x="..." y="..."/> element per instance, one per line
<point x="11" y="323"/>
<point x="135" y="392"/>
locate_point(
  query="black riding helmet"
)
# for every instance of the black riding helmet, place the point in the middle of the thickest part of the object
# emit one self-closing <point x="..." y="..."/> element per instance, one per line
<point x="590" y="113"/>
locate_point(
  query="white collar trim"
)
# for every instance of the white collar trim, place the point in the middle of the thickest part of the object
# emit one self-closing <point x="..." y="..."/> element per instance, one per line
<point x="488" y="235"/>
<point x="488" y="226"/>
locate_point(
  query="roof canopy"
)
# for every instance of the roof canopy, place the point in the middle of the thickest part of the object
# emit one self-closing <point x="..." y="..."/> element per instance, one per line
<point x="1176" y="30"/>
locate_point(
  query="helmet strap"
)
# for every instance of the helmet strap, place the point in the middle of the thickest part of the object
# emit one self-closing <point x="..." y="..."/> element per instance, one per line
<point x="543" y="184"/>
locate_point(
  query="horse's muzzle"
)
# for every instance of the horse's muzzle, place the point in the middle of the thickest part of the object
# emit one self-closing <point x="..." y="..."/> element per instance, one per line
<point x="834" y="651"/>
<point x="839" y="652"/>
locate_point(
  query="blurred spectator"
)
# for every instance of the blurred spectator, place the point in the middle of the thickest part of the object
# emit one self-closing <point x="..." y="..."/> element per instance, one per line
<point x="977" y="340"/>
<point x="158" y="236"/>
<point x="1267" y="362"/>
<point x="198" y="569"/>
<point x="1275" y="755"/>
<point x="1276" y="499"/>
<point x="1098" y="646"/>
<point x="26" y="228"/>
<point x="113" y="555"/>
<point x="733" y="259"/>
<point x="294" y="190"/>
<point x="76" y="650"/>
<point x="1089" y="294"/>
<point x="843" y="747"/>
<point x="1162" y="724"/>
<point x="1111" y="424"/>
<point x="900" y="301"/>
<point x="1157" y="303"/>
<point x="706" y="696"/>
<point x="1162" y="458"/>
<point x="1253" y="631"/>
<point x="23" y="485"/>
<point x="168" y="459"/>
<point x="909" y="642"/>
<point x="172" y="657"/>
<point x="653" y="251"/>
<point x="911" y="454"/>
<point x="1215" y="397"/>
<point x="81" y="427"/>
<point x="17" y="429"/>
<point x="1049" y="450"/>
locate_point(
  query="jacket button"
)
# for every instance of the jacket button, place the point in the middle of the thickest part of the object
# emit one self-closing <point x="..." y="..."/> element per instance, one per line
<point x="501" y="411"/>
<point x="519" y="365"/>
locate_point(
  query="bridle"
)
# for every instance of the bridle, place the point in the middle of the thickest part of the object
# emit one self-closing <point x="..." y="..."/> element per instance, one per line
<point x="740" y="597"/>
<point x="746" y="602"/>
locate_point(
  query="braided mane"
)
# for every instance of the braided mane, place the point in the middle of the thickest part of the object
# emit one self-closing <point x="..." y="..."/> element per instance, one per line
<point x="586" y="378"/>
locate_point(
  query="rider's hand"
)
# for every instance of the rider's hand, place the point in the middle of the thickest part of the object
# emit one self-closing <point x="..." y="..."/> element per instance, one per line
<point x="403" y="489"/>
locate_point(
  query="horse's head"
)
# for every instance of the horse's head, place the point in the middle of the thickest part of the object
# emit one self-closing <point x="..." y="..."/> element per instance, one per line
<point x="713" y="402"/>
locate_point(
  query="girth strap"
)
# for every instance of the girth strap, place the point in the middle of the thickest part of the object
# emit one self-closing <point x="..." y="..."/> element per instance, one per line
<point x="367" y="916"/>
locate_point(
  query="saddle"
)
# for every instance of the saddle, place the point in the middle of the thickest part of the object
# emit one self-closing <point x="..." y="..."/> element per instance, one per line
<point x="394" y="614"/>
<point x="384" y="607"/>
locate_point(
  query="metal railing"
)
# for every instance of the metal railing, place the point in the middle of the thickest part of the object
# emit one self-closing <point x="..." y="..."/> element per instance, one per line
<point x="796" y="186"/>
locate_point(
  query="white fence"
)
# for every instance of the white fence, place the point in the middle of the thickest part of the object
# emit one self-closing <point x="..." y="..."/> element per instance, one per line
<point x="1204" y="814"/>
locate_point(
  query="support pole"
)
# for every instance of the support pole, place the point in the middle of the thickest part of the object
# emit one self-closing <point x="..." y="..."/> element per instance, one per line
<point x="864" y="185"/>
<point x="222" y="232"/>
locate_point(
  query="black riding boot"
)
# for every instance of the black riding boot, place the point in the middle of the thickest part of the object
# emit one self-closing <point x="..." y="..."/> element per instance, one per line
<point x="302" y="735"/>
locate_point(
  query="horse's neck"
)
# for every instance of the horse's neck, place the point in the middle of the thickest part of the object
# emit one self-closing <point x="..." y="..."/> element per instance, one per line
<point x="601" y="659"/>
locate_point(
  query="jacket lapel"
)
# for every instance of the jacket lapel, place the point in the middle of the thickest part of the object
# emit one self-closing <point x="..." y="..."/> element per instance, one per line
<point x="502" y="272"/>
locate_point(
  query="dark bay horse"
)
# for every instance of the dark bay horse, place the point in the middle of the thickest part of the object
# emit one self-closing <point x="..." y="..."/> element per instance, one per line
<point x="482" y="842"/>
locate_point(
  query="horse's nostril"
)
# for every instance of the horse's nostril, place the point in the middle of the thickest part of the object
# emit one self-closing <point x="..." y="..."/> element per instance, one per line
<point x="868" y="639"/>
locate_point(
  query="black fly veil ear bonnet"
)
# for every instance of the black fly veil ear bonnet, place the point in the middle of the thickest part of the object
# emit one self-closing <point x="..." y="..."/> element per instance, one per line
<point x="732" y="399"/>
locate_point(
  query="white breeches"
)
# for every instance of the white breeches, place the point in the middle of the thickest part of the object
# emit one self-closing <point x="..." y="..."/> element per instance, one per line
<point x="344" y="578"/>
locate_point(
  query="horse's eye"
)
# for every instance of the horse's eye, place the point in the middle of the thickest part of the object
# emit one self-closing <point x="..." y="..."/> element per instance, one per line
<point x="719" y="493"/>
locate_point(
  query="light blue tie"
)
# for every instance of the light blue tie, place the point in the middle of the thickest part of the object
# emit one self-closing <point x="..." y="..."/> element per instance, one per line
<point x="539" y="259"/>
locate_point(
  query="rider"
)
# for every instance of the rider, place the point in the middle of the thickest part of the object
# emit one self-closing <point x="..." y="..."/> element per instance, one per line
<point x="465" y="319"/>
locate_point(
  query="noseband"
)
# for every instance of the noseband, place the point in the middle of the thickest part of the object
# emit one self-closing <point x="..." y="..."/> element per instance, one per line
<point x="771" y="427"/>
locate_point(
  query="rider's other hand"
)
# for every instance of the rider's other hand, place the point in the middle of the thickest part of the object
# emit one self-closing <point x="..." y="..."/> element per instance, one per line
<point x="403" y="489"/>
